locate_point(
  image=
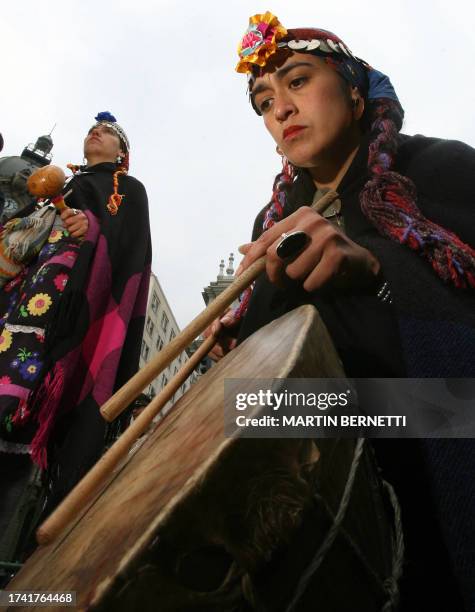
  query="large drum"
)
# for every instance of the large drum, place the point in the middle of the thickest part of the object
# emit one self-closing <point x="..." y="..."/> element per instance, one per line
<point x="194" y="520"/>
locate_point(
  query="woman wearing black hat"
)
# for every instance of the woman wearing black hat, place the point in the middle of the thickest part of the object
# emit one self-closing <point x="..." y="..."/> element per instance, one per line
<point x="73" y="319"/>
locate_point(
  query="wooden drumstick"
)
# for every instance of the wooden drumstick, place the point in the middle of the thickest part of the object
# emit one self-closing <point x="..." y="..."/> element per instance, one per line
<point x="96" y="477"/>
<point x="126" y="394"/>
<point x="98" y="474"/>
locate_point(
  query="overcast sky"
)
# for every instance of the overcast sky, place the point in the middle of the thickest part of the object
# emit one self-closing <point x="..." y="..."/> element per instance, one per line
<point x="165" y="69"/>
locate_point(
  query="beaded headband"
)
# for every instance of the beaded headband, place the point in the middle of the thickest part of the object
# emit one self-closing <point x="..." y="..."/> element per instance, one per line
<point x="107" y="119"/>
<point x="265" y="36"/>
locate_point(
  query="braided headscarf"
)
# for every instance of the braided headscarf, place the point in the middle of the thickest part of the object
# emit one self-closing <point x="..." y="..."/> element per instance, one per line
<point x="388" y="199"/>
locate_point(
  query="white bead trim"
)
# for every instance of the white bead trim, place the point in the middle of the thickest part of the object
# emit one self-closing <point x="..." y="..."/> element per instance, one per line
<point x="313" y="44"/>
<point x="334" y="46"/>
<point x="297" y="45"/>
<point x="26" y="329"/>
<point x="327" y="46"/>
<point x="384" y="293"/>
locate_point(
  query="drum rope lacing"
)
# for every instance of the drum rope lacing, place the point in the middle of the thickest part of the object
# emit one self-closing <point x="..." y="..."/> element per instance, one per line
<point x="391" y="583"/>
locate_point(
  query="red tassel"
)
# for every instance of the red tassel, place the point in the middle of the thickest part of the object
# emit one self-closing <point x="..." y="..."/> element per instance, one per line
<point x="46" y="405"/>
<point x="115" y="199"/>
<point x="22" y="413"/>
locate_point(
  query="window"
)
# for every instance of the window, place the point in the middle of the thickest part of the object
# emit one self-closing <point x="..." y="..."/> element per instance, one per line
<point x="151" y="392"/>
<point x="159" y="344"/>
<point x="164" y="322"/>
<point x="183" y="388"/>
<point x="172" y="335"/>
<point x="155" y="302"/>
<point x="145" y="350"/>
<point x="164" y="380"/>
<point x="150" y="326"/>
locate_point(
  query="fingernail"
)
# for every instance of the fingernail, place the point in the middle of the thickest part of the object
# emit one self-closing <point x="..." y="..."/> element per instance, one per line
<point x="226" y="319"/>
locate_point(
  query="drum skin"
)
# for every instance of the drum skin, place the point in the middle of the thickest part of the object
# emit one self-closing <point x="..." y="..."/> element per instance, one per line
<point x="195" y="520"/>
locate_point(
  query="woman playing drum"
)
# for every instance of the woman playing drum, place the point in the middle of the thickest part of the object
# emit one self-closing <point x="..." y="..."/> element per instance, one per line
<point x="390" y="267"/>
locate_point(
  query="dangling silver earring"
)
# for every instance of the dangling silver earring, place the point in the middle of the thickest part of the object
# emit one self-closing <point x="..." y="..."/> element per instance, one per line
<point x="118" y="159"/>
<point x="84" y="161"/>
<point x="287" y="167"/>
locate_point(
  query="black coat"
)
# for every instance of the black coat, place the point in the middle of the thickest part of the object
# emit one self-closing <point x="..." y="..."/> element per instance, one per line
<point x="96" y="333"/>
<point x="428" y="331"/>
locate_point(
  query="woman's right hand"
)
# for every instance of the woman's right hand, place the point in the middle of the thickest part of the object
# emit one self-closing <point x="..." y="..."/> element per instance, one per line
<point x="225" y="342"/>
<point x="330" y="258"/>
<point x="75" y="221"/>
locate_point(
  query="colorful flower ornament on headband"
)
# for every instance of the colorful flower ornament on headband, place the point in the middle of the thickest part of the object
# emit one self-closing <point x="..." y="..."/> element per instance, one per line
<point x="266" y="35"/>
<point x="259" y="41"/>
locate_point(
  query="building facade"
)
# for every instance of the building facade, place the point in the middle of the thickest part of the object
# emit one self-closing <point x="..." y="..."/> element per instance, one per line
<point x="222" y="281"/>
<point x="209" y="294"/>
<point x="160" y="328"/>
<point x="14" y="173"/>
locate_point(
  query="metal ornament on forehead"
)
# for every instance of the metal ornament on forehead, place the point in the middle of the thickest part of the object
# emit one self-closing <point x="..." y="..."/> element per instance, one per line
<point x="265" y="36"/>
<point x="107" y="119"/>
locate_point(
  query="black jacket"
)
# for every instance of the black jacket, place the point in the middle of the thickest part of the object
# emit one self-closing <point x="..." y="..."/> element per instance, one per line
<point x="428" y="331"/>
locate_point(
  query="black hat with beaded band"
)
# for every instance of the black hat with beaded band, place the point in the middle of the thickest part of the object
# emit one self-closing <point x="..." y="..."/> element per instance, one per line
<point x="106" y="119"/>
